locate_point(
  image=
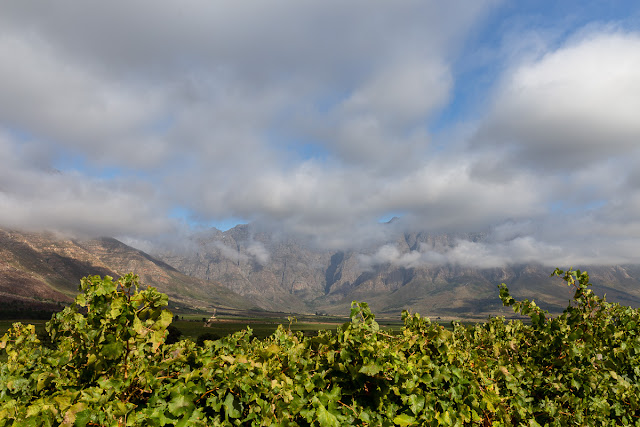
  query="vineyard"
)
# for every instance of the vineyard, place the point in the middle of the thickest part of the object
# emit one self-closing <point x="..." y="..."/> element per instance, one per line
<point x="106" y="364"/>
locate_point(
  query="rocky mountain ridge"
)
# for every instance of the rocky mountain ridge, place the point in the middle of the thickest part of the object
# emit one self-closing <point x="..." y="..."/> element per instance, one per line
<point x="246" y="268"/>
<point x="285" y="273"/>
<point x="44" y="270"/>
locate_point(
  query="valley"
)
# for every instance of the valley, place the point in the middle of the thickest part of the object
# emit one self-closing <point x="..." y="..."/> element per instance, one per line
<point x="248" y="272"/>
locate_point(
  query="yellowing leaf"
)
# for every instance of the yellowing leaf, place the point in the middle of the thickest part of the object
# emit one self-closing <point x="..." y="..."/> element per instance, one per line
<point x="404" y="420"/>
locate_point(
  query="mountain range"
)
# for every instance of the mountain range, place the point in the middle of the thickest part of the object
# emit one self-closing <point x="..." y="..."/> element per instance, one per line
<point x="280" y="272"/>
<point x="43" y="271"/>
<point x="248" y="268"/>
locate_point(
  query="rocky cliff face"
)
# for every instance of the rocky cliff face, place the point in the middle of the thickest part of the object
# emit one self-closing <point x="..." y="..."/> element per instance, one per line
<point x="286" y="274"/>
<point x="279" y="275"/>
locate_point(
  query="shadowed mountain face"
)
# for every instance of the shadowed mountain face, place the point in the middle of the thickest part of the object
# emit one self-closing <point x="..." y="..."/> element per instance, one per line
<point x="40" y="270"/>
<point x="288" y="274"/>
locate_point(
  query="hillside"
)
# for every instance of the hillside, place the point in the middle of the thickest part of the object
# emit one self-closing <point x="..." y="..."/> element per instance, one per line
<point x="285" y="273"/>
<point x="42" y="270"/>
<point x="246" y="268"/>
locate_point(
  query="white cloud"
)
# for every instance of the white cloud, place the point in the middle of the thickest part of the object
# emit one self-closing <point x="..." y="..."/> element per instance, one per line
<point x="565" y="248"/>
<point x="69" y="202"/>
<point x="318" y="118"/>
<point x="189" y="93"/>
<point x="259" y="252"/>
<point x="381" y="123"/>
<point x="390" y="254"/>
<point x="72" y="204"/>
<point x="406" y="91"/>
<point x="232" y="254"/>
<point x="571" y="107"/>
<point x="58" y="99"/>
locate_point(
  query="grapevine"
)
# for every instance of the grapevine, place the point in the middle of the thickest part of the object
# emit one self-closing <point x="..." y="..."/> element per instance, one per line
<point x="108" y="365"/>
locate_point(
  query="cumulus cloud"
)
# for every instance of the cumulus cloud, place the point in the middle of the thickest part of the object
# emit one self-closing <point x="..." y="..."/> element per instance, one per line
<point x="38" y="198"/>
<point x="74" y="205"/>
<point x="319" y="119"/>
<point x="572" y="106"/>
<point x="380" y="124"/>
<point x="55" y="98"/>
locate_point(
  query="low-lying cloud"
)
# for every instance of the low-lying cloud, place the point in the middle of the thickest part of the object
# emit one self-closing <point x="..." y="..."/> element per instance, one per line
<point x="580" y="241"/>
<point x="254" y="251"/>
<point x="259" y="252"/>
<point x="114" y="117"/>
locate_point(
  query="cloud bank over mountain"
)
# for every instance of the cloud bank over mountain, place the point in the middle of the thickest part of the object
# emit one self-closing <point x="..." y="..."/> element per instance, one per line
<point x="145" y="121"/>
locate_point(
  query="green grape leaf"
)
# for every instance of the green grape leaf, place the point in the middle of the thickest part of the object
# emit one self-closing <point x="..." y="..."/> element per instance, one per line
<point x="404" y="420"/>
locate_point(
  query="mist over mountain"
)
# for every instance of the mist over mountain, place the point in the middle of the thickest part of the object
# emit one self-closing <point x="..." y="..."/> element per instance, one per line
<point x="418" y="271"/>
<point x="249" y="266"/>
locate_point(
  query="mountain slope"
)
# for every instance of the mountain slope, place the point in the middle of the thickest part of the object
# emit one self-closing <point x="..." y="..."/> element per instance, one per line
<point x="247" y="268"/>
<point x="288" y="274"/>
<point x="38" y="268"/>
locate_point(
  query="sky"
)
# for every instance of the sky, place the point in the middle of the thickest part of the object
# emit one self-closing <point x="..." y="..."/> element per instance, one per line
<point x="143" y="119"/>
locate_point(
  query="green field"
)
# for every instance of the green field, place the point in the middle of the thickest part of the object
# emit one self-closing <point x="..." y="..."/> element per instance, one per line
<point x="261" y="329"/>
<point x="191" y="329"/>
